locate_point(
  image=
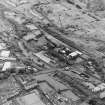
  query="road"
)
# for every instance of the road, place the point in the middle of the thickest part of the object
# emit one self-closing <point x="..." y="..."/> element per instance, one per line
<point x="59" y="36"/>
<point x="54" y="31"/>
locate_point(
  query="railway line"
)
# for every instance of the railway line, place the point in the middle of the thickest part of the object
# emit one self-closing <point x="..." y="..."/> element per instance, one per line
<point x="60" y="36"/>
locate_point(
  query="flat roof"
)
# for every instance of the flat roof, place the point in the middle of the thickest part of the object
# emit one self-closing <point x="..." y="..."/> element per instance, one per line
<point x="42" y="57"/>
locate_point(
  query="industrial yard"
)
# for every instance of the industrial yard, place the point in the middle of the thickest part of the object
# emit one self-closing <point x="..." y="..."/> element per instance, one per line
<point x="52" y="52"/>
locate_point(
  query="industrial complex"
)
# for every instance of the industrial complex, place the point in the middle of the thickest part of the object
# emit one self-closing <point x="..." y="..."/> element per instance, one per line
<point x="52" y="52"/>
